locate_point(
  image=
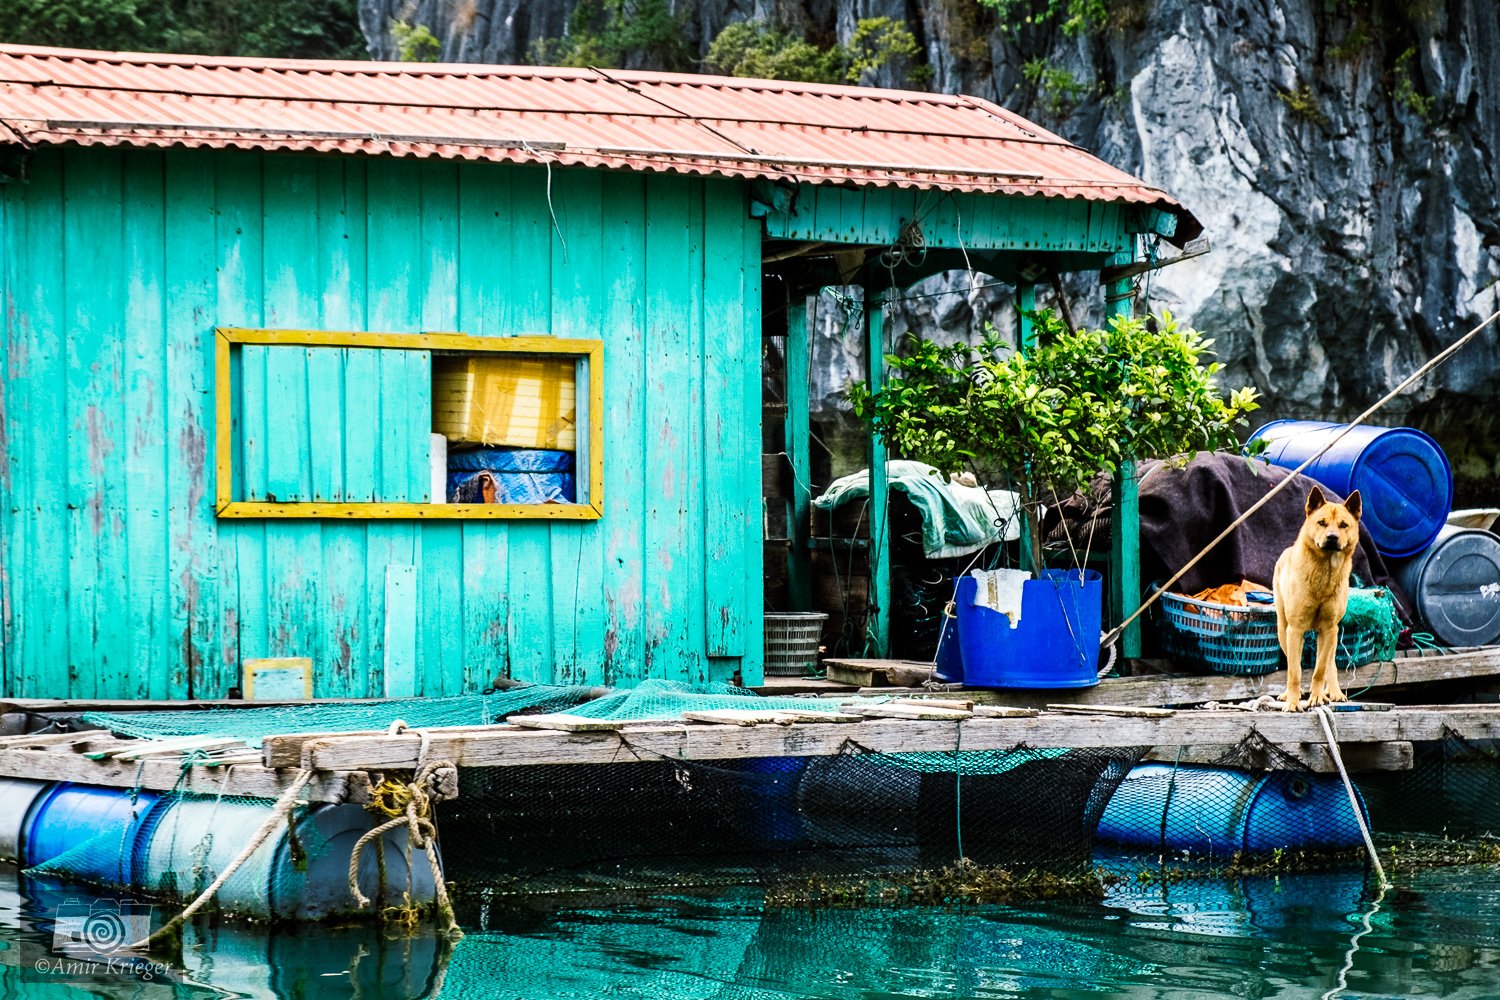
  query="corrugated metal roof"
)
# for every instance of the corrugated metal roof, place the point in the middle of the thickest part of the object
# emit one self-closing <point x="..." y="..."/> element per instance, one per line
<point x="595" y="118"/>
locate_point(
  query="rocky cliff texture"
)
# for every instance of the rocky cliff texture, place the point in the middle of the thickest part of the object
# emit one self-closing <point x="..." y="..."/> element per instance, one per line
<point x="1342" y="155"/>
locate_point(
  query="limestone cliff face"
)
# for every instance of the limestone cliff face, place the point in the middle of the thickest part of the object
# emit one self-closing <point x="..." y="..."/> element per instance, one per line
<point x="1344" y="156"/>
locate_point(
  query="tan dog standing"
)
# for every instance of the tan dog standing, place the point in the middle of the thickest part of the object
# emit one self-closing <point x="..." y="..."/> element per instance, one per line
<point x="1311" y="586"/>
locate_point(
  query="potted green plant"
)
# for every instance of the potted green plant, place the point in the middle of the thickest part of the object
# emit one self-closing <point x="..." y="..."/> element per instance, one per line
<point x="1046" y="422"/>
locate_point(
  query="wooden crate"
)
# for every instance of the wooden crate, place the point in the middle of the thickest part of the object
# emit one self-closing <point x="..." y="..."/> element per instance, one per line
<point x="515" y="401"/>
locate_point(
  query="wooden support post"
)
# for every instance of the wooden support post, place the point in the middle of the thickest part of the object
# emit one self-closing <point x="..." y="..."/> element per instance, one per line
<point x="1025" y="341"/>
<point x="798" y="428"/>
<point x="1025" y="303"/>
<point x="878" y="623"/>
<point x="1125" y="538"/>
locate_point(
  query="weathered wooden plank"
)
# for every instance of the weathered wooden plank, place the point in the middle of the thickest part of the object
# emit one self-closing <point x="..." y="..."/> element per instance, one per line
<point x="878" y="673"/>
<point x="730" y="476"/>
<point x="899" y="735"/>
<point x="1120" y="711"/>
<point x="483" y="310"/>
<point x="566" y="723"/>
<point x="577" y="550"/>
<point x="47" y="739"/>
<point x="529" y="276"/>
<point x="166" y="775"/>
<point x="625" y="481"/>
<point x="35" y="462"/>
<point x="1398" y="755"/>
<point x="909" y="710"/>
<point x="286" y="749"/>
<point x="166" y="748"/>
<point x="191" y="630"/>
<point x="774" y="716"/>
<point x="672" y="463"/>
<point x="401" y="635"/>
<point x="393" y="226"/>
<point x="956" y="704"/>
<point x="340" y="428"/>
<point x="1005" y="712"/>
<point x="440" y="645"/>
<point x="1016" y="223"/>
<point x="144" y="438"/>
<point x="93" y="283"/>
<point x="1406" y="671"/>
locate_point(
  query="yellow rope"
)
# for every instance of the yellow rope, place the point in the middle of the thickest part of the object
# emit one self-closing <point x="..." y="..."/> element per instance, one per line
<point x="433" y="783"/>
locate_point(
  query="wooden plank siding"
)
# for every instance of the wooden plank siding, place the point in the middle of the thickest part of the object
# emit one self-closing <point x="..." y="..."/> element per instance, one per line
<point x="954" y="220"/>
<point x="116" y="578"/>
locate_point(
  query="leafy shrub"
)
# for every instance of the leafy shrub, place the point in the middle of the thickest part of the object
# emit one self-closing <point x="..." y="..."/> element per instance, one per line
<point x="1074" y="406"/>
<point x="755" y="48"/>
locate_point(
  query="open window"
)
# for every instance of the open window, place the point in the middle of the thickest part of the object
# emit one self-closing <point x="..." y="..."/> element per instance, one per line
<point x="408" y="425"/>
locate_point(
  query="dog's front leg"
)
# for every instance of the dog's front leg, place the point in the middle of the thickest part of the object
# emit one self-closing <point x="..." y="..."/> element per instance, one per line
<point x="1325" y="681"/>
<point x="1291" y="645"/>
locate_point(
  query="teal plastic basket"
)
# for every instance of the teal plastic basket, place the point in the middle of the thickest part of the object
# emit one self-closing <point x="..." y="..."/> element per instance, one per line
<point x="1356" y="648"/>
<point x="1230" y="639"/>
<point x="1222" y="638"/>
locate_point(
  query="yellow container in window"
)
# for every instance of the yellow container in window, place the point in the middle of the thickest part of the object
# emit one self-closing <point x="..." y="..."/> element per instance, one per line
<point x="515" y="401"/>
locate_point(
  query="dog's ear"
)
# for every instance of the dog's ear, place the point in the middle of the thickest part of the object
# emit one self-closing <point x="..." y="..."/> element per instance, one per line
<point x="1353" y="504"/>
<point x="1315" y="500"/>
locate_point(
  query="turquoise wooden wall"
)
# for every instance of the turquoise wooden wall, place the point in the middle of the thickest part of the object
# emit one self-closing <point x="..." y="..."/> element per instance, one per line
<point x="116" y="578"/>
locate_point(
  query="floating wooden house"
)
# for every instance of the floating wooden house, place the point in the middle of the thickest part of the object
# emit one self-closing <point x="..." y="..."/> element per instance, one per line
<point x="232" y="290"/>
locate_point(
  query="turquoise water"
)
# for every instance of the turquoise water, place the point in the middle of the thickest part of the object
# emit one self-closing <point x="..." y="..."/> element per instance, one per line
<point x="1436" y="935"/>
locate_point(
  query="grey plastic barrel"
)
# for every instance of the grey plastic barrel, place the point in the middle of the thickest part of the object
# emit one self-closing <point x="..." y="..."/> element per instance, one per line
<point x="1454" y="586"/>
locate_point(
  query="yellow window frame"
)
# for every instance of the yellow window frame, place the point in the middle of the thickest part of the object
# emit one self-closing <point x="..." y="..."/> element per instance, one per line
<point x="227" y="506"/>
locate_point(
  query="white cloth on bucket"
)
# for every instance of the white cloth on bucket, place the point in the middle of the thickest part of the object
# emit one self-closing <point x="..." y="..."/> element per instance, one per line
<point x="1000" y="590"/>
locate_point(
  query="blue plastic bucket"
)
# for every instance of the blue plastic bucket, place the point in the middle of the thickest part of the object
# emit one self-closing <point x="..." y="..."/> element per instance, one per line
<point x="1402" y="475"/>
<point x="1221" y="810"/>
<point x="1455" y="586"/>
<point x="71" y="815"/>
<point x="1055" y="645"/>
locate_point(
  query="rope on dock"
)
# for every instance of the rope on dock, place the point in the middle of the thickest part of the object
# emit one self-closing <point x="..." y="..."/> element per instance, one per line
<point x="1406" y="383"/>
<point x="275" y="819"/>
<point x="411" y="804"/>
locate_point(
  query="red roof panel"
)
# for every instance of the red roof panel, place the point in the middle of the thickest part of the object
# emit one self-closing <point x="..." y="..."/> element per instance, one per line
<point x="596" y="118"/>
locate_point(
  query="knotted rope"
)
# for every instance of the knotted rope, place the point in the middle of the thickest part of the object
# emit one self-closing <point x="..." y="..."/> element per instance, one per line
<point x="278" y="815"/>
<point x="410" y="804"/>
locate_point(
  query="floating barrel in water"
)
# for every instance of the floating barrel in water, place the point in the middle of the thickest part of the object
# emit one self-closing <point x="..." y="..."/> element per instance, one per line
<point x="177" y="845"/>
<point x="297" y="874"/>
<point x="1455" y="586"/>
<point x="71" y="815"/>
<point x="18" y="794"/>
<point x="1223" y="810"/>
<point x="1402" y="475"/>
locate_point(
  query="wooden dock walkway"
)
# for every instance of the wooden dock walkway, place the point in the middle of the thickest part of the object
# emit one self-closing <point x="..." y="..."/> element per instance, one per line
<point x="342" y="761"/>
<point x="1415" y="668"/>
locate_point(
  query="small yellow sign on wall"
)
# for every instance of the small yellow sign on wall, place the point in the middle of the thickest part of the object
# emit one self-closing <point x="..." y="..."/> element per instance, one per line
<point x="284" y="678"/>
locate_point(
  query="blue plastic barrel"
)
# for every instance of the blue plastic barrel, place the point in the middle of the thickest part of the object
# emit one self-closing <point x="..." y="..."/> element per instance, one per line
<point x="71" y="815"/>
<point x="1055" y="645"/>
<point x="1455" y="586"/>
<point x="185" y="842"/>
<point x="1402" y="475"/>
<point x="1221" y="810"/>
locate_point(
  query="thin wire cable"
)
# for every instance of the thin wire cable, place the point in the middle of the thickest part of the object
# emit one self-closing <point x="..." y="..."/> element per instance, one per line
<point x="1406" y="383"/>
